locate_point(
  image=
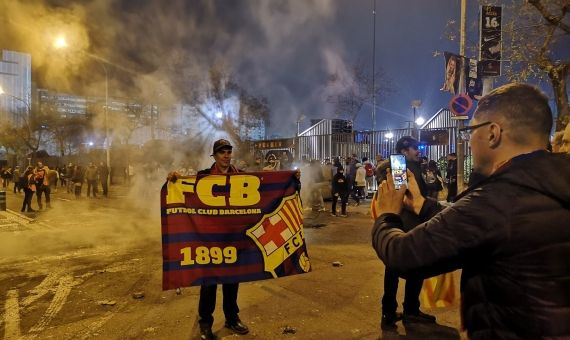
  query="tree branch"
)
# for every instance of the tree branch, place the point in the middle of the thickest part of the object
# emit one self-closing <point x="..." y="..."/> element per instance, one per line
<point x="551" y="18"/>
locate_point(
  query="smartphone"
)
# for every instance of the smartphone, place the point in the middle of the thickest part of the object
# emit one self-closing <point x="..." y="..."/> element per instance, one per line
<point x="398" y="167"/>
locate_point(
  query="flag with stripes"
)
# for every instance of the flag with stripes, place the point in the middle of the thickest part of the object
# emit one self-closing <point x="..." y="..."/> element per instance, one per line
<point x="438" y="291"/>
<point x="232" y="228"/>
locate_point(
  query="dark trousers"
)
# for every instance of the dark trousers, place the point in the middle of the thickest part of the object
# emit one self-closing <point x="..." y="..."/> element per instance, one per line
<point x="92" y="187"/>
<point x="207" y="303"/>
<point x="27" y="204"/>
<point x="411" y="299"/>
<point x="77" y="190"/>
<point x="358" y="193"/>
<point x="343" y="201"/>
<point x="17" y="187"/>
<point x="451" y="191"/>
<point x="43" y="189"/>
<point x="104" y="185"/>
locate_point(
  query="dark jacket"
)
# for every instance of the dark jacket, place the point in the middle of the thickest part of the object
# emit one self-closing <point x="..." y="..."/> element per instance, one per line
<point x="103" y="172"/>
<point x="451" y="171"/>
<point x="339" y="185"/>
<point x="511" y="236"/>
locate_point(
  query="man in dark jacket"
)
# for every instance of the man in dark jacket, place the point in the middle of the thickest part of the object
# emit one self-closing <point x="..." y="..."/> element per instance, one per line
<point x="451" y="176"/>
<point x="222" y="153"/>
<point x="339" y="190"/>
<point x="408" y="146"/>
<point x="510" y="232"/>
<point x="104" y="178"/>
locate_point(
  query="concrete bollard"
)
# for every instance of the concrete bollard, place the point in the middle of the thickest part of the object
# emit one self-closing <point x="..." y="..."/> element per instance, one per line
<point x="2" y="200"/>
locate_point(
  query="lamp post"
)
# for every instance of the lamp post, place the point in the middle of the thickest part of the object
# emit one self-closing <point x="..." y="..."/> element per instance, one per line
<point x="61" y="43"/>
<point x="415" y="105"/>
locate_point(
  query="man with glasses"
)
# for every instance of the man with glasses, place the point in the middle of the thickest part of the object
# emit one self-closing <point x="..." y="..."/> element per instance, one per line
<point x="408" y="146"/>
<point x="509" y="232"/>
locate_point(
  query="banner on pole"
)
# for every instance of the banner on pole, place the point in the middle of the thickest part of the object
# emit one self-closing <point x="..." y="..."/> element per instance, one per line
<point x="232" y="228"/>
<point x="452" y="67"/>
<point x="490" y="40"/>
<point x="474" y="79"/>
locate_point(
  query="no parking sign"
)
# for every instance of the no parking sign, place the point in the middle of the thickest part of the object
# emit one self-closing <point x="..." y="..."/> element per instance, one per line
<point x="460" y="106"/>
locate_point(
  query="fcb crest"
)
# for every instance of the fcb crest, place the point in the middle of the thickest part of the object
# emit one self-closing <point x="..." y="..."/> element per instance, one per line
<point x="279" y="234"/>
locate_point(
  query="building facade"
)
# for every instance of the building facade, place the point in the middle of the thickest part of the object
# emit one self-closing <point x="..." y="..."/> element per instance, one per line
<point x="16" y="84"/>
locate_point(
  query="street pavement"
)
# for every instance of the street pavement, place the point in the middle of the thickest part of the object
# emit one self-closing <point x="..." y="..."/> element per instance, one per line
<point x="71" y="272"/>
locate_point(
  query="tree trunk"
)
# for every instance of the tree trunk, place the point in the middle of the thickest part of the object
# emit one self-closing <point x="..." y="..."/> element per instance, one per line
<point x="558" y="75"/>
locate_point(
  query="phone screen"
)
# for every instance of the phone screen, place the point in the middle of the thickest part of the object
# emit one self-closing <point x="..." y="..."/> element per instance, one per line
<point x="398" y="167"/>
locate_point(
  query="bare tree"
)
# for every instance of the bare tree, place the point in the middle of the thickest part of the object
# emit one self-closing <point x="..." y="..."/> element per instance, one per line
<point x="532" y="37"/>
<point x="353" y="90"/>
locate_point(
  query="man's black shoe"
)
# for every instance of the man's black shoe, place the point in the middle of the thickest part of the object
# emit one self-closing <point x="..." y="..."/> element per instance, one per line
<point x="237" y="327"/>
<point x="206" y="333"/>
<point x="389" y="320"/>
<point x="418" y="317"/>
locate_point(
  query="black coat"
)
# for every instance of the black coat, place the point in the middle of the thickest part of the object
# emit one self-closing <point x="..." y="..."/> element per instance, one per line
<point x="339" y="185"/>
<point x="510" y="234"/>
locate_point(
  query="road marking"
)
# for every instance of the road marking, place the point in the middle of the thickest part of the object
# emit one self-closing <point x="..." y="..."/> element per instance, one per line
<point x="94" y="327"/>
<point x="63" y="290"/>
<point x="43" y="288"/>
<point x="12" y="315"/>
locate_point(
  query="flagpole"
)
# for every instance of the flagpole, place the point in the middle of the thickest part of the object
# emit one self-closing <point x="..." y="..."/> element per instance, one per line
<point x="460" y="123"/>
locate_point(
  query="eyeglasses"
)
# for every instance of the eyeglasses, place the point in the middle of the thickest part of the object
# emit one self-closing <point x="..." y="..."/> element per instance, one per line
<point x="467" y="131"/>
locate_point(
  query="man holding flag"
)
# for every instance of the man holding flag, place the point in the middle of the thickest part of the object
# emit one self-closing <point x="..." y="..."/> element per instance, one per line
<point x="222" y="153"/>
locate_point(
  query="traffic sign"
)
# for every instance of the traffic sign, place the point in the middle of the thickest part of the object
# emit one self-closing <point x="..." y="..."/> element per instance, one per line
<point x="460" y="106"/>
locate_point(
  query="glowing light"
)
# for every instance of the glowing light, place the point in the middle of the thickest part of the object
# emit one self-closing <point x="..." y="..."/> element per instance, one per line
<point x="60" y="42"/>
<point x="219" y="114"/>
<point x="1" y="90"/>
<point x="90" y="143"/>
<point x="420" y="121"/>
<point x="389" y="135"/>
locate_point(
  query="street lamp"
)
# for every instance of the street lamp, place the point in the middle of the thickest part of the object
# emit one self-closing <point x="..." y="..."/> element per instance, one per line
<point x="61" y="43"/>
<point x="415" y="105"/>
<point x="420" y="121"/>
<point x="389" y="135"/>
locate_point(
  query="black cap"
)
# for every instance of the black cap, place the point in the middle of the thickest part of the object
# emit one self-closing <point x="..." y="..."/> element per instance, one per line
<point x="221" y="144"/>
<point x="406" y="142"/>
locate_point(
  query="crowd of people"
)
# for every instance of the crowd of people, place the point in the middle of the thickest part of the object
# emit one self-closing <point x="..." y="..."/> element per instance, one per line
<point x="40" y="180"/>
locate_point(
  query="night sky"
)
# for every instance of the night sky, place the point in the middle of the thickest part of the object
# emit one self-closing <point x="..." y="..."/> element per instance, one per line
<point x="284" y="50"/>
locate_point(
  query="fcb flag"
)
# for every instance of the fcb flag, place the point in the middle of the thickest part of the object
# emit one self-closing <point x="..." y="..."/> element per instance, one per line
<point x="438" y="291"/>
<point x="232" y="228"/>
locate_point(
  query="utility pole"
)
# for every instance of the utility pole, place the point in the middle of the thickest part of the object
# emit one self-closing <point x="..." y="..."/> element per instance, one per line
<point x="461" y="123"/>
<point x="372" y="149"/>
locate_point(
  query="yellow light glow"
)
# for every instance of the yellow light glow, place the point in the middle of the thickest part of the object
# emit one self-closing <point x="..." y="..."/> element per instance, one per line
<point x="1" y="90"/>
<point x="60" y="42"/>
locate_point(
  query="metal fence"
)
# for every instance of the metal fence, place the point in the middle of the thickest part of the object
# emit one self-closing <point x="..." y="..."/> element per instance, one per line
<point x="367" y="144"/>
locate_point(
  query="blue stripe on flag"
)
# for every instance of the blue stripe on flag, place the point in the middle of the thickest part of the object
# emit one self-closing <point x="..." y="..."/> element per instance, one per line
<point x="188" y="237"/>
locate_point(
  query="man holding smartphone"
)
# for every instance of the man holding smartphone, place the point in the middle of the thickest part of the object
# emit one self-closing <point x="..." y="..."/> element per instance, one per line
<point x="407" y="146"/>
<point x="509" y="232"/>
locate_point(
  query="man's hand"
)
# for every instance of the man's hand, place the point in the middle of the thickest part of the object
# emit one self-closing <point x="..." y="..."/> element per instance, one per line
<point x="413" y="200"/>
<point x="390" y="199"/>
